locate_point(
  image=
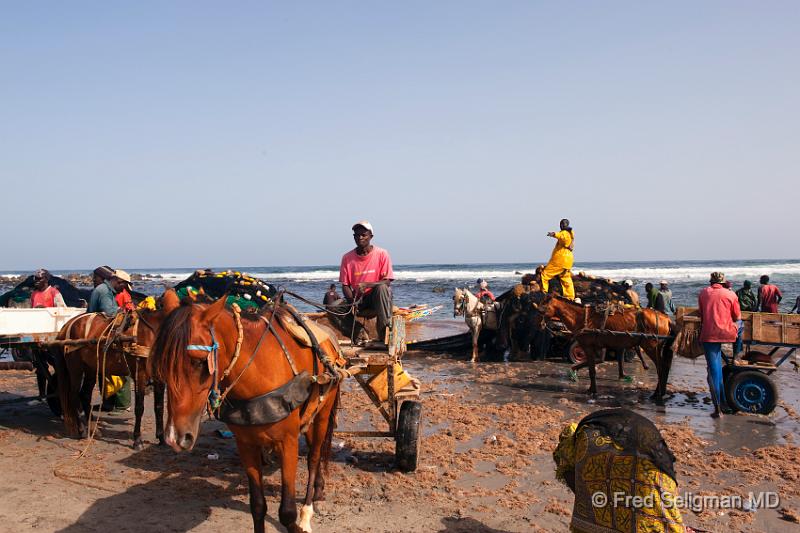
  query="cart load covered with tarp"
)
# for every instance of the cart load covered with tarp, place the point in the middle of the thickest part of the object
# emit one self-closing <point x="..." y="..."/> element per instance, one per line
<point x="20" y="295"/>
<point x="248" y="292"/>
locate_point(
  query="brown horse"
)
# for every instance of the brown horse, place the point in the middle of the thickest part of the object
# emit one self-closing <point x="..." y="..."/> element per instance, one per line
<point x="78" y="367"/>
<point x="578" y="319"/>
<point x="197" y="346"/>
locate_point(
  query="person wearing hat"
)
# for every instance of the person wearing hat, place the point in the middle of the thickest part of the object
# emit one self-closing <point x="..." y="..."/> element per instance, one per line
<point x="103" y="297"/>
<point x="101" y="274"/>
<point x="560" y="264"/>
<point x="664" y="299"/>
<point x="632" y="294"/>
<point x="366" y="274"/>
<point x="123" y="297"/>
<point x="483" y="291"/>
<point x="44" y="294"/>
<point x="747" y="300"/>
<point x="721" y="323"/>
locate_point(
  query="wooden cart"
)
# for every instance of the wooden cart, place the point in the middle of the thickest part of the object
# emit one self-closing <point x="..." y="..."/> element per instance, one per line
<point x="748" y="386"/>
<point x="25" y="335"/>
<point x="398" y="402"/>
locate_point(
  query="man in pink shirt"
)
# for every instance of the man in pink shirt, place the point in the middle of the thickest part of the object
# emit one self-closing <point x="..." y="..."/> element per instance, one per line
<point x="365" y="274"/>
<point x="721" y="321"/>
<point x="769" y="296"/>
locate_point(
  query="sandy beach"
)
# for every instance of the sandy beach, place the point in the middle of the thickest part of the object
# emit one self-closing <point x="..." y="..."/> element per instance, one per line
<point x="486" y="465"/>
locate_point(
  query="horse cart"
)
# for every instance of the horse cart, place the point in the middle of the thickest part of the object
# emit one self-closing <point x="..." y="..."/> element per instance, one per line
<point x="379" y="373"/>
<point x="25" y="335"/>
<point x="748" y="386"/>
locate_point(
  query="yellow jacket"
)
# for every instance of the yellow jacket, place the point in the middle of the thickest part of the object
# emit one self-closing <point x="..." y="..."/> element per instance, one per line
<point x="562" y="255"/>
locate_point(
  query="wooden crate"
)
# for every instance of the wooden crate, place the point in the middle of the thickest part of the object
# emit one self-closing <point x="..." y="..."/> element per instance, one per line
<point x="776" y="328"/>
<point x="762" y="328"/>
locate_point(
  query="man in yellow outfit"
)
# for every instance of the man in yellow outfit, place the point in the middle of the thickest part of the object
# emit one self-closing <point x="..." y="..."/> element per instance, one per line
<point x="560" y="264"/>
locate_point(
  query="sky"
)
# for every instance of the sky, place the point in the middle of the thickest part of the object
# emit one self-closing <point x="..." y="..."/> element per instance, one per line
<point x="192" y="134"/>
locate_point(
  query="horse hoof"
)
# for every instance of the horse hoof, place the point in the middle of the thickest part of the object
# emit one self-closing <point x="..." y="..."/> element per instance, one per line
<point x="138" y="445"/>
<point x="161" y="441"/>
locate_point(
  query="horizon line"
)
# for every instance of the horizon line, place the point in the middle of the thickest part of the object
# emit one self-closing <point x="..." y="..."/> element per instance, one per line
<point x="139" y="270"/>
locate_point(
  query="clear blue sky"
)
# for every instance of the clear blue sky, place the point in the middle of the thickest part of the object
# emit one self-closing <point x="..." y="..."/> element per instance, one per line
<point x="144" y="134"/>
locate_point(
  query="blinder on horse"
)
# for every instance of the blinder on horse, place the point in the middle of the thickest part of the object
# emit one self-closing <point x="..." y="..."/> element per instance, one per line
<point x="272" y="406"/>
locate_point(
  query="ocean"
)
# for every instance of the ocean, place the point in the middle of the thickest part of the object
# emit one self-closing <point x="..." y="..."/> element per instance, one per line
<point x="433" y="284"/>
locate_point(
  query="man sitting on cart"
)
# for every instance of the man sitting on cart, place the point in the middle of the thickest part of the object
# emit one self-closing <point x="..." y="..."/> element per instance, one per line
<point x="721" y="322"/>
<point x="366" y="273"/>
<point x="44" y="294"/>
<point x="103" y="298"/>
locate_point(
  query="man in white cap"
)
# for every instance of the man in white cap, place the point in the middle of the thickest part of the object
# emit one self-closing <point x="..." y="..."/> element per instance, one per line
<point x="632" y="294"/>
<point x="366" y="273"/>
<point x="123" y="296"/>
<point x="664" y="299"/>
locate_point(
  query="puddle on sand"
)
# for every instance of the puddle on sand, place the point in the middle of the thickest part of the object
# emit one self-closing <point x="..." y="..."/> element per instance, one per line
<point x="491" y="481"/>
<point x="545" y="383"/>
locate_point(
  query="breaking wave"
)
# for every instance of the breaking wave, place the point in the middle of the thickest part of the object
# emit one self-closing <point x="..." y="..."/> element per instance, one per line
<point x="678" y="271"/>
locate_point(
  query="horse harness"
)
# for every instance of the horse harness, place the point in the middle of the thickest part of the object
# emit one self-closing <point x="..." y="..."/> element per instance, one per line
<point x="277" y="404"/>
<point x="610" y="309"/>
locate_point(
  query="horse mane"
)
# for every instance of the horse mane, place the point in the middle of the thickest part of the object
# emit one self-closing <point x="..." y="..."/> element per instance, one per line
<point x="166" y="357"/>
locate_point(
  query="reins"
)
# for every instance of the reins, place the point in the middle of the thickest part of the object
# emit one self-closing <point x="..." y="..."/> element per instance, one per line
<point x="216" y="397"/>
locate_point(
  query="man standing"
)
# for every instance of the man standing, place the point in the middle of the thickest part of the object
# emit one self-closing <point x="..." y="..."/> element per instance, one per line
<point x="664" y="299"/>
<point x="769" y="296"/>
<point x="720" y="313"/>
<point x="365" y="274"/>
<point x="44" y="294"/>
<point x="652" y="294"/>
<point x="560" y="264"/>
<point x="633" y="296"/>
<point x="747" y="300"/>
<point x="103" y="298"/>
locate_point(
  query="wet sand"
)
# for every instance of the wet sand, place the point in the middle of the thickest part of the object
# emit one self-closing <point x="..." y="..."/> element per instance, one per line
<point x="489" y="430"/>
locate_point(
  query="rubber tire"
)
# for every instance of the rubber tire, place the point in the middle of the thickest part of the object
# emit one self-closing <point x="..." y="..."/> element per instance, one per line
<point x="575" y="353"/>
<point x="408" y="438"/>
<point x="755" y="382"/>
<point x="53" y="400"/>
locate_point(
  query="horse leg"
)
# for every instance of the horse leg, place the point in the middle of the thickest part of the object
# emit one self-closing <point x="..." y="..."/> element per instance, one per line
<point x="315" y="488"/>
<point x="158" y="407"/>
<point x="251" y="460"/>
<point x="621" y="362"/>
<point x="287" y="512"/>
<point x="663" y="365"/>
<point x="591" y="359"/>
<point x="139" y="386"/>
<point x="641" y="358"/>
<point x="85" y="394"/>
<point x="476" y="333"/>
<point x="69" y="385"/>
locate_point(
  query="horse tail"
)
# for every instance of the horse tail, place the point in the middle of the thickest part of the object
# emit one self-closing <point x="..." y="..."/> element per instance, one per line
<point x="327" y="443"/>
<point x="69" y="406"/>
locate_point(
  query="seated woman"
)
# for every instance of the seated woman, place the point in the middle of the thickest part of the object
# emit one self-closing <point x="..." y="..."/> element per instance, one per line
<point x="611" y="454"/>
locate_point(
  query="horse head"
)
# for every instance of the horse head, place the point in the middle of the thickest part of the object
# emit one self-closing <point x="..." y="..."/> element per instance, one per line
<point x="186" y="357"/>
<point x="465" y="303"/>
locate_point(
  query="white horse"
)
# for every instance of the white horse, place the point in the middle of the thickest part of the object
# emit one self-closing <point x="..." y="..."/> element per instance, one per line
<point x="476" y="314"/>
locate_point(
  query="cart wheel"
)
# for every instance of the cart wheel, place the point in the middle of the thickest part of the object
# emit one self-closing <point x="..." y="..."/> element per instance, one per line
<point x="53" y="401"/>
<point x="408" y="436"/>
<point x="575" y="353"/>
<point x="751" y="391"/>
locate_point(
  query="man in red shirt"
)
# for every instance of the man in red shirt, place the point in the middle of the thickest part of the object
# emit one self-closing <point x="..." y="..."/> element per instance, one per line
<point x="44" y="294"/>
<point x="123" y="297"/>
<point x="769" y="296"/>
<point x="365" y="274"/>
<point x="721" y="321"/>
